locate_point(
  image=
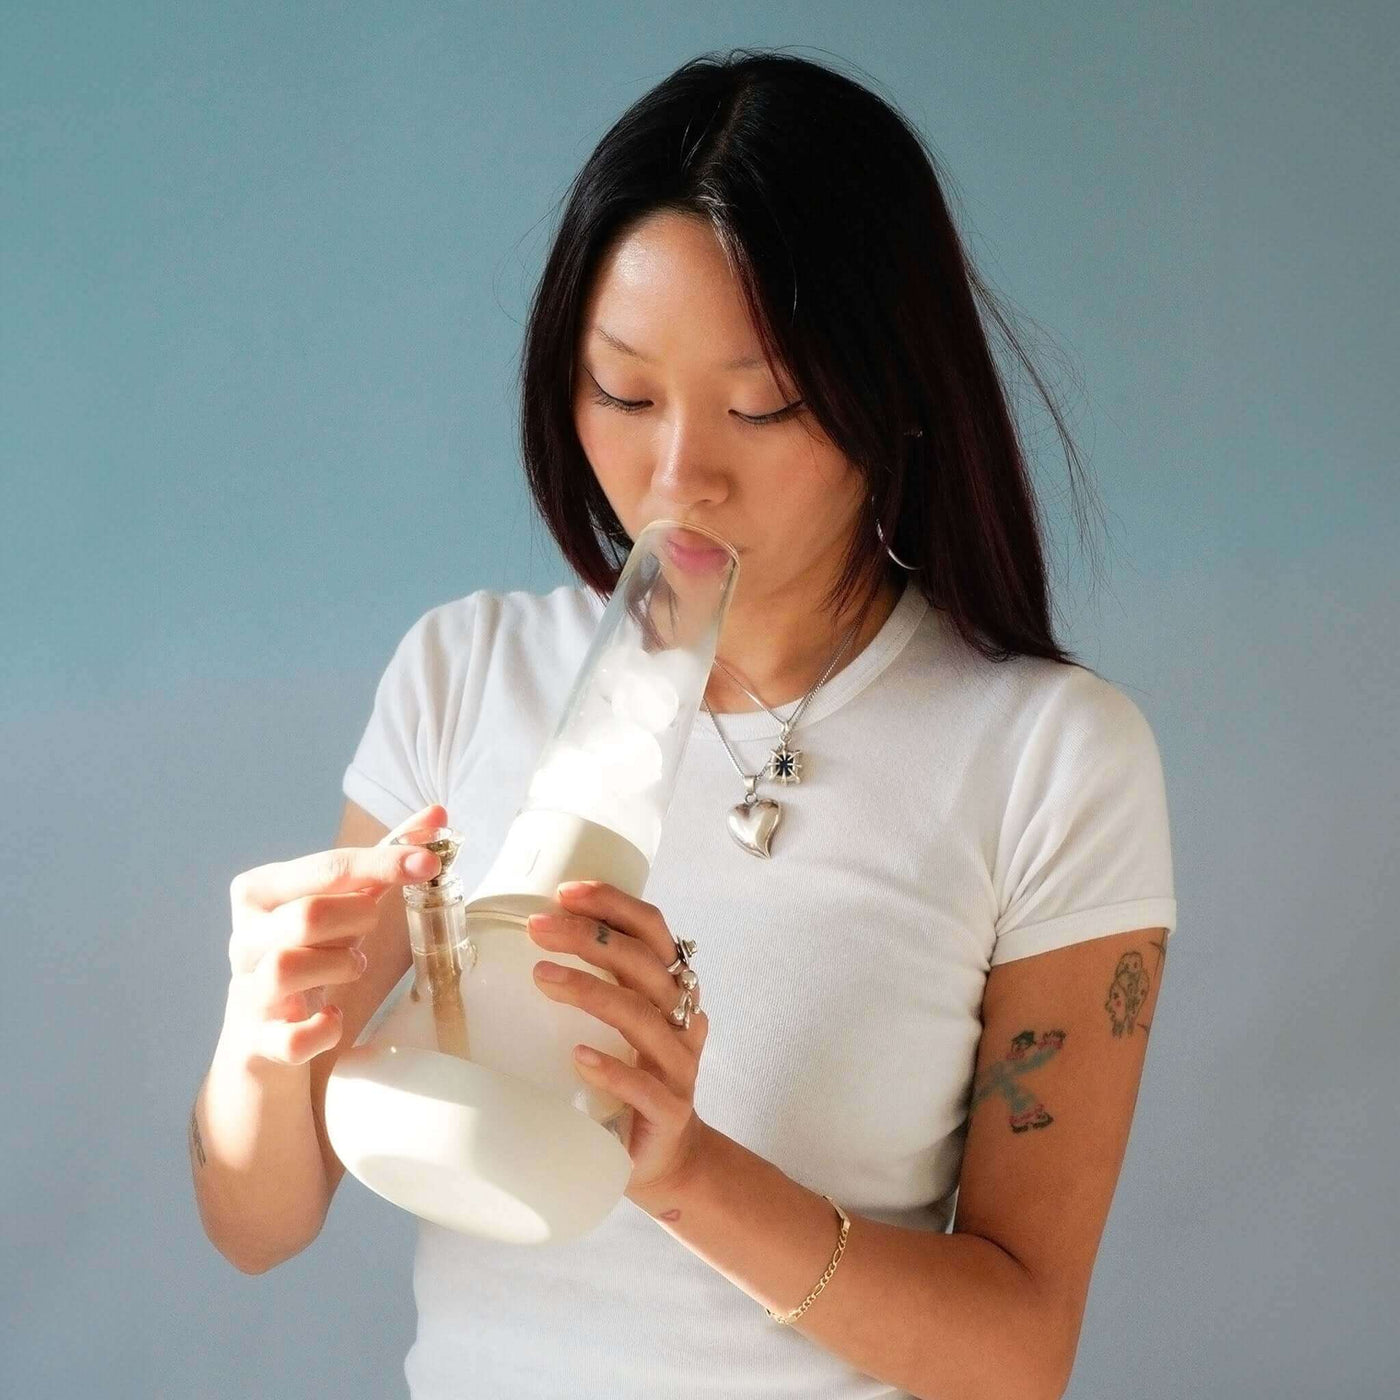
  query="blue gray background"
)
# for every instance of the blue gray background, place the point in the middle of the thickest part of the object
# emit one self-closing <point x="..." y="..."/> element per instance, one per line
<point x="263" y="271"/>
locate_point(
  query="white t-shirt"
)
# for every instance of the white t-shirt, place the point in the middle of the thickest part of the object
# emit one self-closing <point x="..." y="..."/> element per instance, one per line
<point x="953" y="813"/>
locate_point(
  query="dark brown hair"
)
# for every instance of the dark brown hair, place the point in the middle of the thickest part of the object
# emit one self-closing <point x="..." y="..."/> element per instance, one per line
<point x="830" y="209"/>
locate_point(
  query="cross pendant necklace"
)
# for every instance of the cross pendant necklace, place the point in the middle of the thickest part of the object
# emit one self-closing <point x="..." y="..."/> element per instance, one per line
<point x="784" y="764"/>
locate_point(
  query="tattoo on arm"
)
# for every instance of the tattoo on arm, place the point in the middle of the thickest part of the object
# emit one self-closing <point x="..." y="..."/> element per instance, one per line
<point x="1160" y="946"/>
<point x="1027" y="1053"/>
<point x="1128" y="991"/>
<point x="196" y="1142"/>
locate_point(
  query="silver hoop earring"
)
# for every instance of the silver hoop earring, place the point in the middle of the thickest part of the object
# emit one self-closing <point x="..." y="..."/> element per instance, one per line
<point x="880" y="534"/>
<point x="908" y="568"/>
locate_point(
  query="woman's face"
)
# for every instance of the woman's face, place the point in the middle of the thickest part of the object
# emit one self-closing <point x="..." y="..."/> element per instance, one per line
<point x="694" y="448"/>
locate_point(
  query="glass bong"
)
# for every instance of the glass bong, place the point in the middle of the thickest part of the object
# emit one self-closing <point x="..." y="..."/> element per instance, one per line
<point x="460" y="1101"/>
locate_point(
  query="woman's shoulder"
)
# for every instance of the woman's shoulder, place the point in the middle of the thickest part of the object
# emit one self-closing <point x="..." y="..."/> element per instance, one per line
<point x="1028" y="705"/>
<point x="1025" y="692"/>
<point x="1068" y="714"/>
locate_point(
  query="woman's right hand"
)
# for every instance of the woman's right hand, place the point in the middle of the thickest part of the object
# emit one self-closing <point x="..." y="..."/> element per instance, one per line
<point x="297" y="925"/>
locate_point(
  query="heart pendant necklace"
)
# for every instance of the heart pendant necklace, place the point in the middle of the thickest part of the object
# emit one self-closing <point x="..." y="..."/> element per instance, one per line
<point x="753" y="821"/>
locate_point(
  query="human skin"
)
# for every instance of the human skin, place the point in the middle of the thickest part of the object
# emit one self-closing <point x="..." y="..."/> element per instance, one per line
<point x="779" y="491"/>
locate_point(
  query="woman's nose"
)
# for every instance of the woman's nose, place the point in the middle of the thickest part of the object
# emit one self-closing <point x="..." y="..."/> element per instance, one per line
<point x="688" y="467"/>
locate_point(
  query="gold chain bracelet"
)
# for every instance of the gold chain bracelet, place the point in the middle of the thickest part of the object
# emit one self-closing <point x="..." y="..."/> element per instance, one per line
<point x="821" y="1282"/>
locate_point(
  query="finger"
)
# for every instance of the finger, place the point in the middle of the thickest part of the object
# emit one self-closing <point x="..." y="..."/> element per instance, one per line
<point x="317" y="921"/>
<point x="637" y="1086"/>
<point x="409" y="836"/>
<point x="640" y="1021"/>
<point x="322" y="920"/>
<point x="284" y="972"/>
<point x="296" y="1042"/>
<point x="628" y="959"/>
<point x="635" y="916"/>
<point x="423" y="821"/>
<point x="342" y="870"/>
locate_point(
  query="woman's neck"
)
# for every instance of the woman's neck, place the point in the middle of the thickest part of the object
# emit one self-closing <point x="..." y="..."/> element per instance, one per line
<point x="781" y="651"/>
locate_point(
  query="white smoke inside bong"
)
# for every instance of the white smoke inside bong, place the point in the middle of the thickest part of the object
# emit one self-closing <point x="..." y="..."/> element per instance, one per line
<point x="609" y="765"/>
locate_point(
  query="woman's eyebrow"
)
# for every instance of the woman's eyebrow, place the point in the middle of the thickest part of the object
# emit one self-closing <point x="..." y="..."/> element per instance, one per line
<point x="744" y="362"/>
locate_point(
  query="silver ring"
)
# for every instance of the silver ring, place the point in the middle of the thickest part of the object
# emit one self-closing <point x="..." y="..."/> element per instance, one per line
<point x="685" y="950"/>
<point x="687" y="981"/>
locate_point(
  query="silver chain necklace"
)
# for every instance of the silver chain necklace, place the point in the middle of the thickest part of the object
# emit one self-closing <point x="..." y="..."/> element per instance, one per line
<point x="753" y="821"/>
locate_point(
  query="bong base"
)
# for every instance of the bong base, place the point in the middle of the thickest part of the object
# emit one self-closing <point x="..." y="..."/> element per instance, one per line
<point x="470" y="1148"/>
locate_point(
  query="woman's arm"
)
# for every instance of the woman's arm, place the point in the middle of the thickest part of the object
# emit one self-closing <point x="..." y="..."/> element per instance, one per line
<point x="994" y="1309"/>
<point x="934" y="1314"/>
<point x="264" y="1170"/>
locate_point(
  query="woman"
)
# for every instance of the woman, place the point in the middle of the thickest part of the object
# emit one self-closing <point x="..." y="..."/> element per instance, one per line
<point x="929" y="985"/>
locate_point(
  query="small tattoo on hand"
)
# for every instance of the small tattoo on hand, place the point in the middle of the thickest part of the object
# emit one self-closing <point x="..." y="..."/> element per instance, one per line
<point x="1027" y="1053"/>
<point x="603" y="932"/>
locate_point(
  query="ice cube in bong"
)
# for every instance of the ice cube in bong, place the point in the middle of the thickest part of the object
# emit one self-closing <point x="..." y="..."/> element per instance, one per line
<point x="644" y="697"/>
<point x="567" y="779"/>
<point x="683" y="670"/>
<point x="628" y="756"/>
<point x="646" y="687"/>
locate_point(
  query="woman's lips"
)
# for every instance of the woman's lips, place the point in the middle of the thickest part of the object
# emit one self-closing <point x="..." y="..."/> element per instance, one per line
<point x="695" y="559"/>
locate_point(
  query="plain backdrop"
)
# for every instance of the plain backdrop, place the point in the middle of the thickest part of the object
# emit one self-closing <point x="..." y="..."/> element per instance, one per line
<point x="263" y="273"/>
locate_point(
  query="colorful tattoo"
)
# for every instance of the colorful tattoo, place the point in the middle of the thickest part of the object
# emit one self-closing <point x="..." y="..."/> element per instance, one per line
<point x="1027" y="1053"/>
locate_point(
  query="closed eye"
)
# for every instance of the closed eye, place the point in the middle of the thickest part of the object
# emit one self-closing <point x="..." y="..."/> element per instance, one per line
<point x="635" y="406"/>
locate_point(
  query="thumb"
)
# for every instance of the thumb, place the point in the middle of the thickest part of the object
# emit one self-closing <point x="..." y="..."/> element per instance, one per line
<point x="425" y="819"/>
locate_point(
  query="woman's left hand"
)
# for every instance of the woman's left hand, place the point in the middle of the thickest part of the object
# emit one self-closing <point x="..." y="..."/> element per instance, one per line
<point x="630" y="939"/>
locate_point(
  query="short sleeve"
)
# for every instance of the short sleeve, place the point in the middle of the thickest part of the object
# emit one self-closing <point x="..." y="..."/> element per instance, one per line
<point x="1085" y="844"/>
<point x="399" y="765"/>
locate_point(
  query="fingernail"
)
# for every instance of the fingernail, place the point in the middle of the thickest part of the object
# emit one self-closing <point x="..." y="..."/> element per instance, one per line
<point x="577" y="886"/>
<point x="422" y="863"/>
<point x="549" y="972"/>
<point x="360" y="959"/>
